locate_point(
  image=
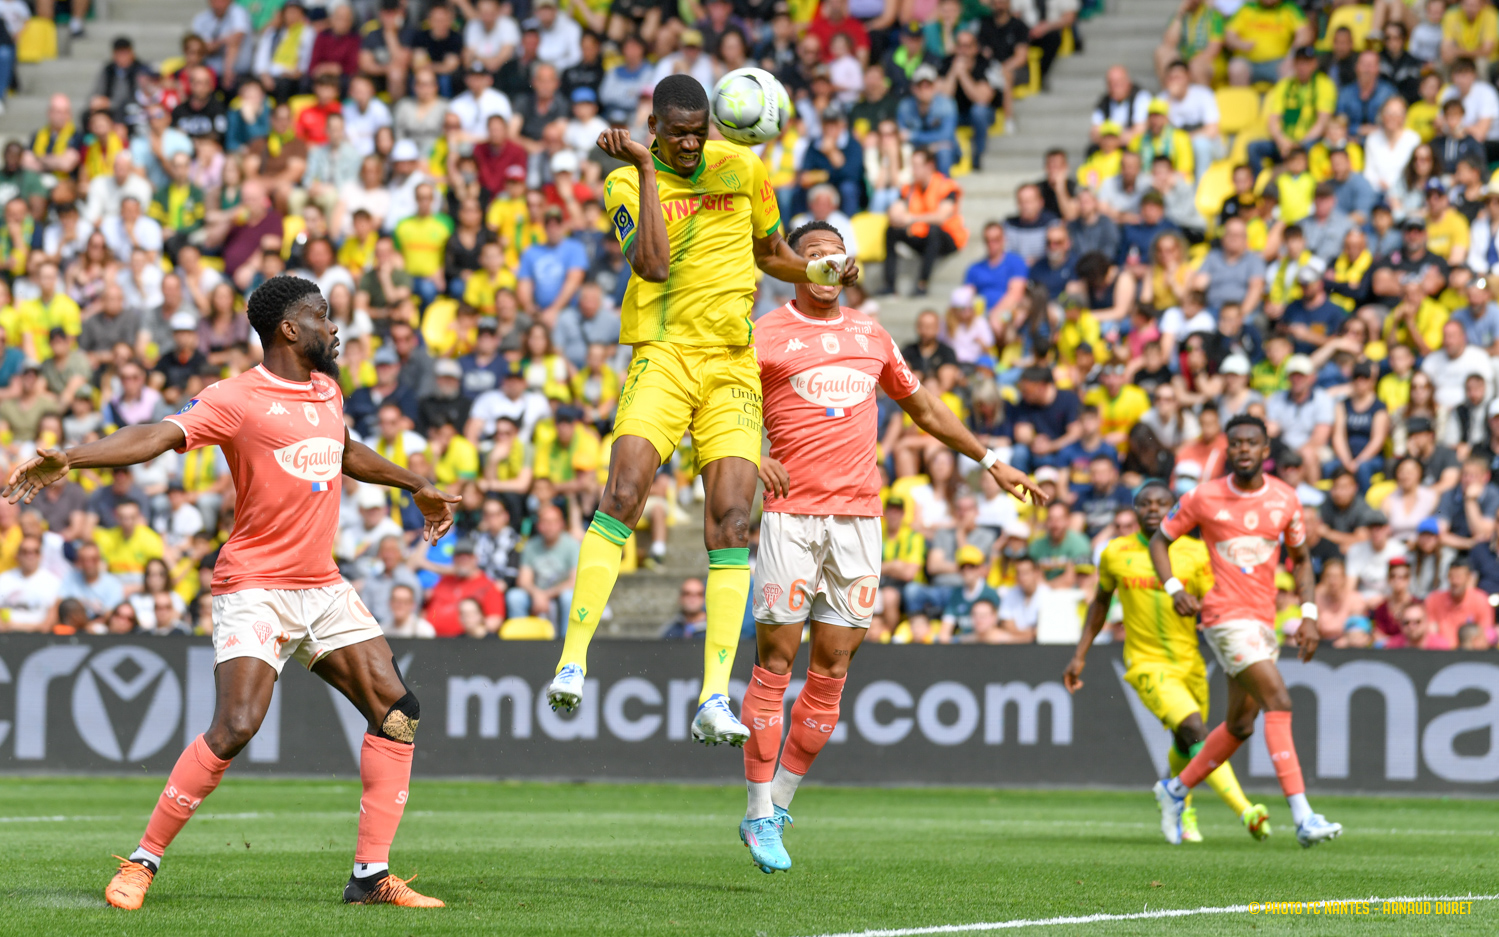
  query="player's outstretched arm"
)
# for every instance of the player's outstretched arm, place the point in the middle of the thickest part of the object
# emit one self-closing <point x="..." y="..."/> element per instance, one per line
<point x="364" y="464"/>
<point x="1308" y="636"/>
<point x="129" y="446"/>
<point x="1098" y="613"/>
<point x="932" y="415"/>
<point x="1183" y="601"/>
<point x="649" y="252"/>
<point x="776" y="258"/>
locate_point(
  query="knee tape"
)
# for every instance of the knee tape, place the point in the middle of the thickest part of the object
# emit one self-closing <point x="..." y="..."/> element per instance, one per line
<point x="400" y="722"/>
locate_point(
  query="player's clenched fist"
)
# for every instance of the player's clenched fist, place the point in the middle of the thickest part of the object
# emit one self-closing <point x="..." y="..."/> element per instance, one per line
<point x="617" y="144"/>
<point x="1185" y="603"/>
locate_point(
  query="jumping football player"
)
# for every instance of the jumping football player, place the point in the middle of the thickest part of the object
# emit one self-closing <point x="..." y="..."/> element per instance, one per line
<point x="1243" y="517"/>
<point x="695" y="218"/>
<point x="277" y="594"/>
<point x="820" y="540"/>
<point x="1160" y="648"/>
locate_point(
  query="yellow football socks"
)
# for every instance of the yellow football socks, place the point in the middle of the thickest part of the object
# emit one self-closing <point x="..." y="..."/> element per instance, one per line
<point x="727" y="591"/>
<point x="598" y="568"/>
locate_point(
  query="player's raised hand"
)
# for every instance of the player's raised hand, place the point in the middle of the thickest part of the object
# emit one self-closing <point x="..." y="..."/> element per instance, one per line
<point x="617" y="144"/>
<point x="1017" y="483"/>
<point x="36" y="473"/>
<point x="437" y="507"/>
<point x="1072" y="677"/>
<point x="1308" y="636"/>
<point x="773" y="476"/>
<point x="1186" y="604"/>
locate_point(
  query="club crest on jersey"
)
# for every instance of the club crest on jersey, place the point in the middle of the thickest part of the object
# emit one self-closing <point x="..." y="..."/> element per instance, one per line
<point x="310" y="412"/>
<point x="1251" y="519"/>
<point x="1276" y="517"/>
<point x="863" y="342"/>
<point x="830" y="343"/>
<point x="188" y="406"/>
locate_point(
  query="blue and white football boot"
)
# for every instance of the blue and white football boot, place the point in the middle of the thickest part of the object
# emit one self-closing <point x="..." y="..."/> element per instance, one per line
<point x="566" y="689"/>
<point x="763" y="837"/>
<point x="715" y="723"/>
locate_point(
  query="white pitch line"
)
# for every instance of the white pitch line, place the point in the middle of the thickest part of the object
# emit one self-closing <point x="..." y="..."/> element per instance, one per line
<point x="1103" y="918"/>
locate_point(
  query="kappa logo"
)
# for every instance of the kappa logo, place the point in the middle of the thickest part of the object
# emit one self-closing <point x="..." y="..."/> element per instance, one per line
<point x="310" y="412"/>
<point x="795" y="345"/>
<point x="772" y="593"/>
<point x="276" y="410"/>
<point x="830" y="344"/>
<point x="262" y="631"/>
<point x="1223" y="516"/>
<point x="232" y="642"/>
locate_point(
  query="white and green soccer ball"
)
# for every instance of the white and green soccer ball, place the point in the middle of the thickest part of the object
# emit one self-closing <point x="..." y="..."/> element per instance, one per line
<point x="750" y="107"/>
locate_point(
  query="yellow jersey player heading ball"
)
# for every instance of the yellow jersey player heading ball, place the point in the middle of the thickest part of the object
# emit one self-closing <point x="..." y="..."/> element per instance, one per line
<point x="695" y="218"/>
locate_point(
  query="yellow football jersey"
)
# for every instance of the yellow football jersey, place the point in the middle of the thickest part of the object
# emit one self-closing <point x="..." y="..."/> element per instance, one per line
<point x="712" y="217"/>
<point x="1153" y="631"/>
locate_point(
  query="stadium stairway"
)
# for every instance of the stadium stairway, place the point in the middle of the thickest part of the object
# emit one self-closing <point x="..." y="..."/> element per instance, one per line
<point x="1127" y="34"/>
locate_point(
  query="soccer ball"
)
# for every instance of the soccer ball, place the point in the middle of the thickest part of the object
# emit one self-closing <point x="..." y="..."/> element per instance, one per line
<point x="750" y="107"/>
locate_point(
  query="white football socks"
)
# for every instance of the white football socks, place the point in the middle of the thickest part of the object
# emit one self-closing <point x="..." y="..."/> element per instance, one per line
<point x="141" y="855"/>
<point x="784" y="787"/>
<point x="759" y="800"/>
<point x="366" y="869"/>
<point x="658" y="549"/>
<point x="1177" y="788"/>
<point x="1300" y="809"/>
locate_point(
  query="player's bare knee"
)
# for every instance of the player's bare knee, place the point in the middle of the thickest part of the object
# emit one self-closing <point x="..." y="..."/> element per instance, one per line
<point x="231" y="732"/>
<point x="400" y="722"/>
<point x="1241" y="729"/>
<point x="730" y="530"/>
<point x="776" y="662"/>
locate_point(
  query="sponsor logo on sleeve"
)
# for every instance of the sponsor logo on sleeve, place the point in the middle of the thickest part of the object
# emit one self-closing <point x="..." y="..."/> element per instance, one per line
<point x="188" y="406"/>
<point x="623" y="223"/>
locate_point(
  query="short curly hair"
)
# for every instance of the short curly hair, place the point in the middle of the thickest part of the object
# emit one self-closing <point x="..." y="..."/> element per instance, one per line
<point x="678" y="92"/>
<point x="272" y="300"/>
<point x="795" y="240"/>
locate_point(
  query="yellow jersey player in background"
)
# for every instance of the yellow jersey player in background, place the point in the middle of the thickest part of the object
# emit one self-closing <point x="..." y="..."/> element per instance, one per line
<point x="1160" y="647"/>
<point x="695" y="220"/>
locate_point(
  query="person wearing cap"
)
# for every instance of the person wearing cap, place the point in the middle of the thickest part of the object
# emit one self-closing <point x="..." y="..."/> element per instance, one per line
<point x="1300" y="418"/>
<point x="1447" y="233"/>
<point x="957" y="614"/>
<point x="479" y="104"/>
<point x="1231" y="272"/>
<point x="901" y="61"/>
<point x="1313" y="320"/>
<point x="186" y="360"/>
<point x="550" y="274"/>
<point x="1159" y="140"/>
<point x="928" y="117"/>
<point x="1297" y="109"/>
<point x="446" y="404"/>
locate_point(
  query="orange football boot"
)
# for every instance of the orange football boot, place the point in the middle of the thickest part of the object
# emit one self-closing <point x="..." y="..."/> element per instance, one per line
<point x="392" y="890"/>
<point x="128" y="888"/>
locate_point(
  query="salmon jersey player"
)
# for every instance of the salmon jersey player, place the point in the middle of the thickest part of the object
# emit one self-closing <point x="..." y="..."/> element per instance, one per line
<point x="820" y="537"/>
<point x="1244" y="516"/>
<point x="277" y="594"/>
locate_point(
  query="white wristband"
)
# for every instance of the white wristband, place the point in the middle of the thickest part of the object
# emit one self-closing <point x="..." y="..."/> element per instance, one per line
<point x="989" y="459"/>
<point x="1308" y="611"/>
<point x="1173" y="586"/>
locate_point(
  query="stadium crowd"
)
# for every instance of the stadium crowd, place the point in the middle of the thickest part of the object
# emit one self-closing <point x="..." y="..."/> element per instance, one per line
<point x="1298" y="225"/>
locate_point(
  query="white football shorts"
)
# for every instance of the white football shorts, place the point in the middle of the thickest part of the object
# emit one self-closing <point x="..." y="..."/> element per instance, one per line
<point x="823" y="567"/>
<point x="276" y="625"/>
<point x="1240" y="642"/>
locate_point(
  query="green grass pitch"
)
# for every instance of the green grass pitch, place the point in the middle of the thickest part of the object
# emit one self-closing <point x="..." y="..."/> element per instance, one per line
<point x="270" y="857"/>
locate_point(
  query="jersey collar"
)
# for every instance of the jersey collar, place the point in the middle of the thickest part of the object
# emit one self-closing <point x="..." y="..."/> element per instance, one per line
<point x="1140" y="536"/>
<point x="837" y="320"/>
<point x="281" y="380"/>
<point x="702" y="164"/>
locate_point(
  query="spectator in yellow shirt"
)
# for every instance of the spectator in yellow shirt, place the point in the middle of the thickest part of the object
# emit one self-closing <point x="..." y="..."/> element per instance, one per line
<point x="491" y="277"/>
<point x="515" y="216"/>
<point x="127" y="548"/>
<point x="1297" y="109"/>
<point x="567" y="453"/>
<point x="358" y="250"/>
<point x="32" y="321"/>
<point x="1120" y="405"/>
<point x="423" y="241"/>
<point x="1446" y="227"/>
<point x="1263" y="31"/>
<point x="1470" y="30"/>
